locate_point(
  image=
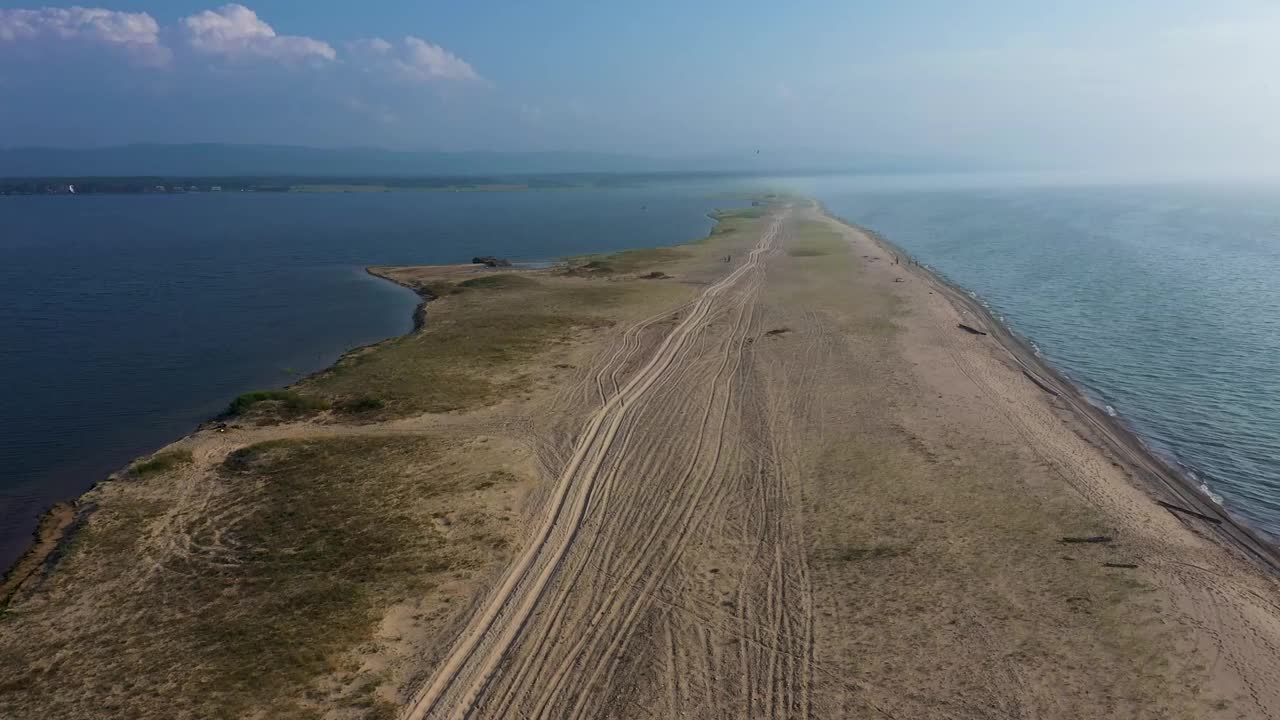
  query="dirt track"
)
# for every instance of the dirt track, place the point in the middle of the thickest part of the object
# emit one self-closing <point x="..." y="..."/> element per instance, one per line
<point x="656" y="460"/>
<point x="671" y="572"/>
<point x="775" y="482"/>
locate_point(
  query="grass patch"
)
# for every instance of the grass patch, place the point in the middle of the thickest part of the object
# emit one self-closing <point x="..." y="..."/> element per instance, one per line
<point x="817" y="239"/>
<point x="301" y="575"/>
<point x="475" y="352"/>
<point x="627" y="261"/>
<point x="359" y="405"/>
<point x="162" y="462"/>
<point x="262" y="594"/>
<point x="748" y="213"/>
<point x="501" y="281"/>
<point x="286" y="403"/>
<point x="436" y="289"/>
<point x="463" y="358"/>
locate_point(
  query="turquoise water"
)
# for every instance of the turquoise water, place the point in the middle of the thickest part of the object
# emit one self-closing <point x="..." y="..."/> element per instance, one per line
<point x="1162" y="302"/>
<point x="127" y="320"/>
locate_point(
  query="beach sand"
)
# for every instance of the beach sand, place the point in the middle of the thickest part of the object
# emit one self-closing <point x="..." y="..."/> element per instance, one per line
<point x="775" y="480"/>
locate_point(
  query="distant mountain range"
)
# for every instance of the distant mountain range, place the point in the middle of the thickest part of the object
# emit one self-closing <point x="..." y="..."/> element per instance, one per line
<point x="214" y="160"/>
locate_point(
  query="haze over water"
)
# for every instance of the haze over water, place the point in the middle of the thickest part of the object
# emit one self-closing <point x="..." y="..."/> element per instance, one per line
<point x="1163" y="302"/>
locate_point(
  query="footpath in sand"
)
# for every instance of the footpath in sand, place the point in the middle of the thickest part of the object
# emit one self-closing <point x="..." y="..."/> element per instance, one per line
<point x="760" y="476"/>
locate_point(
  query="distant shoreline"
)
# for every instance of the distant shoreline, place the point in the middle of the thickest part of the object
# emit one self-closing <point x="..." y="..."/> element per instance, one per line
<point x="1112" y="434"/>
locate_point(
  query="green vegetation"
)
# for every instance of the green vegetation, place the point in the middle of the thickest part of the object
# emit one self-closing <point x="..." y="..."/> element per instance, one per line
<point x="242" y="608"/>
<point x="471" y="355"/>
<point x="160" y="463"/>
<point x="626" y="261"/>
<point x="817" y="239"/>
<point x="285" y="403"/>
<point x="452" y="365"/>
<point x="328" y="534"/>
<point x="359" y="405"/>
<point x="466" y="357"/>
<point x="436" y="289"/>
<point x="500" y="281"/>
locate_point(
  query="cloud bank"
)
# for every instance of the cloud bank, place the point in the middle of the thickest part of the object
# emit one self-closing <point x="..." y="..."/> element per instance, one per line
<point x="136" y="35"/>
<point x="232" y="33"/>
<point x="235" y="32"/>
<point x="413" y="59"/>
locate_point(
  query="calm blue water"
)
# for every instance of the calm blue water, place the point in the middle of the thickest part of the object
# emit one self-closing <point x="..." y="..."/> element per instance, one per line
<point x="125" y="321"/>
<point x="1162" y="302"/>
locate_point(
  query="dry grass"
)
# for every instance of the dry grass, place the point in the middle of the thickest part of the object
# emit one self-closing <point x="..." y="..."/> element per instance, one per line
<point x="291" y="566"/>
<point x="627" y="261"/>
<point x="161" y="462"/>
<point x="467" y="356"/>
<point x="816" y="240"/>
<point x="485" y="328"/>
<point x="251" y="588"/>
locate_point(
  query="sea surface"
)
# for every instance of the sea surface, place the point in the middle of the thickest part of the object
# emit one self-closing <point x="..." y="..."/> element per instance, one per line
<point x="125" y="321"/>
<point x="1161" y="301"/>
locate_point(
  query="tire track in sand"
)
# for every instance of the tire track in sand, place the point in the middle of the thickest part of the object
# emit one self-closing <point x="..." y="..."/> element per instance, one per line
<point x="476" y="656"/>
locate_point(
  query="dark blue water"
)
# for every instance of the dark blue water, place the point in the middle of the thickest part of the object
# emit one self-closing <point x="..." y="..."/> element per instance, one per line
<point x="1162" y="302"/>
<point x="127" y="320"/>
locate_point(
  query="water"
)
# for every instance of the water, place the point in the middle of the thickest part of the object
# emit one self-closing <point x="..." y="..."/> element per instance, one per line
<point x="125" y="321"/>
<point x="1162" y="302"/>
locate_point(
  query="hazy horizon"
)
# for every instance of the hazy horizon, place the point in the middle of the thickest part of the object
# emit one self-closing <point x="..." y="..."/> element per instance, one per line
<point x="1154" y="87"/>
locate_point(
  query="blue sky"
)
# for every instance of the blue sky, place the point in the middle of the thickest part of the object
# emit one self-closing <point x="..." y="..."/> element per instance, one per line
<point x="1139" y="83"/>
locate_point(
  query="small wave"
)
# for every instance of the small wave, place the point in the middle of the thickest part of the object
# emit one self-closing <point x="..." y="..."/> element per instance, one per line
<point x="1216" y="498"/>
<point x="1110" y="410"/>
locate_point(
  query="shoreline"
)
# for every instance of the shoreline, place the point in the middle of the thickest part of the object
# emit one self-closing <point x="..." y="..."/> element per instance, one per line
<point x="1120" y="442"/>
<point x="1112" y="434"/>
<point x="55" y="524"/>
<point x="880" y="494"/>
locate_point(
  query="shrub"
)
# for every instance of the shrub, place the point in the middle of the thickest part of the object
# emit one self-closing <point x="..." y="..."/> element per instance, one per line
<point x="161" y="462"/>
<point x="287" y="400"/>
<point x="359" y="404"/>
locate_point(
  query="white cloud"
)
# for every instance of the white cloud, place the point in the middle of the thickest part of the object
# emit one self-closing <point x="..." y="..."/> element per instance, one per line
<point x="235" y="32"/>
<point x="415" y="60"/>
<point x="136" y="34"/>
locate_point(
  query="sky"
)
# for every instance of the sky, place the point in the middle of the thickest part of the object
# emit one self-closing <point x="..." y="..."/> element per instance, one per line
<point x="1176" y="84"/>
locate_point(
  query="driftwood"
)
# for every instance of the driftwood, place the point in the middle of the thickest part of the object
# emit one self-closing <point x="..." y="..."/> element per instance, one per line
<point x="968" y="329"/>
<point x="1119" y="565"/>
<point x="1185" y="511"/>
<point x="1040" y="383"/>
<point x="1091" y="539"/>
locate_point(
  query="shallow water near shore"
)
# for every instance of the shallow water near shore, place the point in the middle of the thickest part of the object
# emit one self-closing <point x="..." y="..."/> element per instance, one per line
<point x="128" y="320"/>
<point x="1161" y="302"/>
